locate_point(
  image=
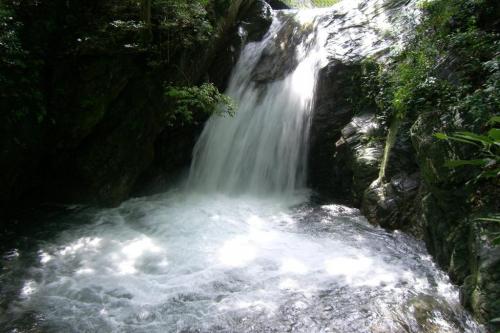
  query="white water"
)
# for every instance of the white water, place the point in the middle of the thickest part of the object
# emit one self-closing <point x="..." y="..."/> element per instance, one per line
<point x="206" y="260"/>
<point x="263" y="149"/>
<point x="198" y="263"/>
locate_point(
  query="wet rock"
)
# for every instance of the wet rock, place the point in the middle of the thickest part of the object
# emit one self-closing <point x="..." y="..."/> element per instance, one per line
<point x="361" y="152"/>
<point x="280" y="59"/>
<point x="480" y="289"/>
<point x="105" y="166"/>
<point x="428" y="311"/>
<point x="330" y="168"/>
<point x="355" y="37"/>
<point x="226" y="58"/>
<point x="392" y="204"/>
<point x="277" y="4"/>
<point x="251" y="25"/>
<point x="256" y="20"/>
<point x="369" y="28"/>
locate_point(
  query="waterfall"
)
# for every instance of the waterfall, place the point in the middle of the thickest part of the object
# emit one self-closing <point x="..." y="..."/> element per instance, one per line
<point x="263" y="148"/>
<point x="201" y="261"/>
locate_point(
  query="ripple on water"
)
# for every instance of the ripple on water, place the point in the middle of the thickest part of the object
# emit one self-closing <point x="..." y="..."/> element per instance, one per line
<point x="218" y="264"/>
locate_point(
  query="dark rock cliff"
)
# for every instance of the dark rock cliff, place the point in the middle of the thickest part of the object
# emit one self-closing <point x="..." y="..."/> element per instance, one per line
<point x="417" y="193"/>
<point x="106" y="131"/>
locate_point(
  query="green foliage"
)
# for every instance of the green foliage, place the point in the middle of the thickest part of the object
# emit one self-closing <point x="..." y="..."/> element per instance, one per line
<point x="324" y="3"/>
<point x="487" y="150"/>
<point x="449" y="75"/>
<point x="182" y="22"/>
<point x="494" y="235"/>
<point x="451" y="66"/>
<point x="370" y="78"/>
<point x="204" y="99"/>
<point x="180" y="28"/>
<point x="161" y="28"/>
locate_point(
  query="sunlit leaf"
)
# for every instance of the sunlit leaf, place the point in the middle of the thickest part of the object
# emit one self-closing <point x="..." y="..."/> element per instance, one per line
<point x="473" y="137"/>
<point x="441" y="136"/>
<point x="494" y="120"/>
<point x="494" y="134"/>
<point x="491" y="173"/>
<point x="459" y="139"/>
<point x="489" y="219"/>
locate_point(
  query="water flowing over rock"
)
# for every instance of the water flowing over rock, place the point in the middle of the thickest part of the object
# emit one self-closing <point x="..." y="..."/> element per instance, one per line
<point x="107" y="133"/>
<point x="242" y="248"/>
<point x="264" y="147"/>
<point x="415" y="195"/>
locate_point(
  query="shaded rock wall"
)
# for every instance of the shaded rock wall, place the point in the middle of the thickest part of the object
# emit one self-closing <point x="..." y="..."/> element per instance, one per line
<point x="454" y="236"/>
<point x="108" y="132"/>
<point x="330" y="174"/>
<point x="355" y="42"/>
<point x="277" y="4"/>
<point x="418" y="195"/>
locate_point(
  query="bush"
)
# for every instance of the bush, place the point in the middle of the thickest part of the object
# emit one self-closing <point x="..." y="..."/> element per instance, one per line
<point x="182" y="23"/>
<point x="450" y="67"/>
<point x="205" y="99"/>
<point x="487" y="154"/>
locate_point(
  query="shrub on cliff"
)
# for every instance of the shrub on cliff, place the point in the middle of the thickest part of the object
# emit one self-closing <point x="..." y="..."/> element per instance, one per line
<point x="447" y="80"/>
<point x="205" y="99"/>
<point x="451" y="66"/>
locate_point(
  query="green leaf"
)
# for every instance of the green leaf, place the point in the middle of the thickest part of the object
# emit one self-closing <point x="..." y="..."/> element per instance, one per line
<point x="458" y="139"/>
<point x="491" y="173"/>
<point x="441" y="136"/>
<point x="494" y="120"/>
<point x="494" y="134"/>
<point x="489" y="219"/>
<point x="473" y="137"/>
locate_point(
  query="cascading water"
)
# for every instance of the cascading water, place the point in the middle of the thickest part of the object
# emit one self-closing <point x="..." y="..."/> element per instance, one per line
<point x="264" y="147"/>
<point x="206" y="260"/>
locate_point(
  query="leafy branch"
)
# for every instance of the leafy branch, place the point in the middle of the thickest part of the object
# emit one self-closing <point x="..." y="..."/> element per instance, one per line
<point x="495" y="235"/>
<point x="488" y="146"/>
<point x="204" y="99"/>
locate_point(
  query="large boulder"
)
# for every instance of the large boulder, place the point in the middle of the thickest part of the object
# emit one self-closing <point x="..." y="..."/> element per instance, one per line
<point x="280" y="58"/>
<point x="390" y="201"/>
<point x="256" y="20"/>
<point x="359" y="152"/>
<point x="355" y="43"/>
<point x="392" y="204"/>
<point x="252" y="23"/>
<point x="335" y="134"/>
